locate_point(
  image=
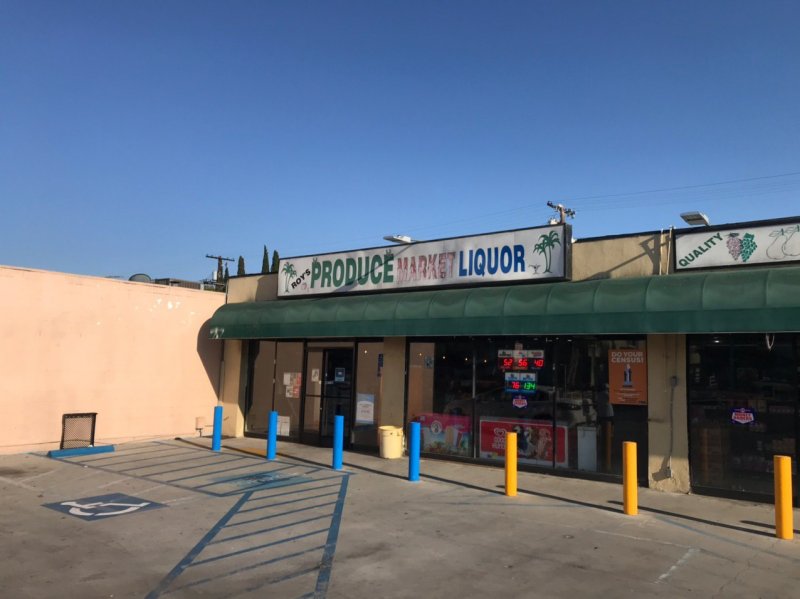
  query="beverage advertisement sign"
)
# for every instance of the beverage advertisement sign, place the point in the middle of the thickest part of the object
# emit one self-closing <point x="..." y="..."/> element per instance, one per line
<point x="738" y="247"/>
<point x="541" y="253"/>
<point x="627" y="376"/>
<point x="446" y="434"/>
<point x="743" y="415"/>
<point x="534" y="440"/>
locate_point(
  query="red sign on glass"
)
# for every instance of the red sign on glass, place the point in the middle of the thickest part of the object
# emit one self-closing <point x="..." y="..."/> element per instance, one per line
<point x="520" y="360"/>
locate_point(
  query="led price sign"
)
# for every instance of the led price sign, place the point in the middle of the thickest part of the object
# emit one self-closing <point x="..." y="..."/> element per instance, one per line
<point x="520" y="383"/>
<point x="520" y="360"/>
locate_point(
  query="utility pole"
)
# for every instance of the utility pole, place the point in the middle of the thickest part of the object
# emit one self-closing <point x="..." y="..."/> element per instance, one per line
<point x="563" y="212"/>
<point x="219" y="260"/>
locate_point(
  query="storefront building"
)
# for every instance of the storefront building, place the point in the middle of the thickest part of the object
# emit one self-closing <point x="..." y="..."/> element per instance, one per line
<point x="658" y="338"/>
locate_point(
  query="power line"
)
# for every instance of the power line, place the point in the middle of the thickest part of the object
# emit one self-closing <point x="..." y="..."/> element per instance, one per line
<point x="682" y="187"/>
<point x="618" y="200"/>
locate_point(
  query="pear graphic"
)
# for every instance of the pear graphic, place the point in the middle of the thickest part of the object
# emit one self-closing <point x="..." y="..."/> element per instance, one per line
<point x="791" y="247"/>
<point x="775" y="250"/>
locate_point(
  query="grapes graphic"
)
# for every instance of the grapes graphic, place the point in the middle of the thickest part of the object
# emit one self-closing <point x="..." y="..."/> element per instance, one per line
<point x="748" y="246"/>
<point x="734" y="244"/>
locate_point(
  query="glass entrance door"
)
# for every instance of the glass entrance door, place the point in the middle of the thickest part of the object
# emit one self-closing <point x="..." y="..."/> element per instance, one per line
<point x="337" y="393"/>
<point x="312" y="406"/>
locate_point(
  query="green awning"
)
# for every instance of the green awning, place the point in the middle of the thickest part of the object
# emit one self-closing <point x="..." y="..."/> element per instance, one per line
<point x="731" y="301"/>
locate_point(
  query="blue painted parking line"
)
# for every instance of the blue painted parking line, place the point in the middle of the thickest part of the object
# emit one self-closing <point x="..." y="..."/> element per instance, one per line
<point x="207" y="569"/>
<point x="296" y="483"/>
<point x="272" y="528"/>
<point x="229" y="480"/>
<point x="272" y="505"/>
<point x="123" y="452"/>
<point x="206" y="465"/>
<point x="292" y="492"/>
<point x="257" y="547"/>
<point x="184" y="460"/>
<point x="186" y="561"/>
<point x="262" y="564"/>
<point x="330" y="545"/>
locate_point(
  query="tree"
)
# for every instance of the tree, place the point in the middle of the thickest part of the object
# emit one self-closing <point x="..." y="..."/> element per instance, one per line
<point x="289" y="272"/>
<point x="545" y="247"/>
<point x="240" y="267"/>
<point x="227" y="274"/>
<point x="275" y="260"/>
<point x="265" y="262"/>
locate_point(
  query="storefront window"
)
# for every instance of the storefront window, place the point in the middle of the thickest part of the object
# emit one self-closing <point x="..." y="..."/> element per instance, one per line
<point x="571" y="401"/>
<point x="743" y="394"/>
<point x="260" y="390"/>
<point x="440" y="391"/>
<point x="288" y="385"/>
<point x="369" y="386"/>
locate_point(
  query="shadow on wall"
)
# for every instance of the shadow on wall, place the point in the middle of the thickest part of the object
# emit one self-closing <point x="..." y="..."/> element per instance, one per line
<point x="651" y="251"/>
<point x="210" y="352"/>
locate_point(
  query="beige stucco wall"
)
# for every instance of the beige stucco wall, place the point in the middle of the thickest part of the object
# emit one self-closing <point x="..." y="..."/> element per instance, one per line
<point x="135" y="353"/>
<point x="233" y="386"/>
<point x="253" y="288"/>
<point x="666" y="358"/>
<point x="620" y="257"/>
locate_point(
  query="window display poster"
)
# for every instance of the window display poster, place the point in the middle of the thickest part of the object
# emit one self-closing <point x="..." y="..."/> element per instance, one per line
<point x="627" y="376"/>
<point x="292" y="382"/>
<point x="534" y="440"/>
<point x="365" y="408"/>
<point x="446" y="434"/>
<point x="338" y="375"/>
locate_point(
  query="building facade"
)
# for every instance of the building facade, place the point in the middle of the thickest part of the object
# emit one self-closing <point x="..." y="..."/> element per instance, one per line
<point x="681" y="340"/>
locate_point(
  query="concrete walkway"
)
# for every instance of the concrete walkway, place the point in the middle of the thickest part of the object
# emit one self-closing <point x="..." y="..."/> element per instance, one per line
<point x="231" y="524"/>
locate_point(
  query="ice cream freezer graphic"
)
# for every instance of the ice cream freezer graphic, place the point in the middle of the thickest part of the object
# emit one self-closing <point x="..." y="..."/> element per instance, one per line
<point x="736" y="247"/>
<point x="538" y="442"/>
<point x="446" y="434"/>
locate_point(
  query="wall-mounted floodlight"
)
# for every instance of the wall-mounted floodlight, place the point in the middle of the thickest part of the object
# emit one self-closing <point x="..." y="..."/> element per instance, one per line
<point x="398" y="238"/>
<point x="695" y="219"/>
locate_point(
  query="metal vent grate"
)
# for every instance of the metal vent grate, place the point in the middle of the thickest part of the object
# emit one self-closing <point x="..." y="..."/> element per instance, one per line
<point x="77" y="430"/>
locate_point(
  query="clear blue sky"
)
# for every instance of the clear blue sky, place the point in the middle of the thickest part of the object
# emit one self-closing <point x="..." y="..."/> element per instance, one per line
<point x="139" y="136"/>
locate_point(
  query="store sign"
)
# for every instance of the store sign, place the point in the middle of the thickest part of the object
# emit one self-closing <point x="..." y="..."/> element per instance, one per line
<point x="520" y="383"/>
<point x="520" y="359"/>
<point x="365" y="408"/>
<point x="627" y="374"/>
<point x="736" y="247"/>
<point x="743" y="415"/>
<point x="519" y="401"/>
<point x="534" y="440"/>
<point x="523" y="255"/>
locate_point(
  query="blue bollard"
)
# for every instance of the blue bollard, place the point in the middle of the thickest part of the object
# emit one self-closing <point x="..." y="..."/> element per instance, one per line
<point x="272" y="435"/>
<point x="413" y="453"/>
<point x="216" y="439"/>
<point x="338" y="441"/>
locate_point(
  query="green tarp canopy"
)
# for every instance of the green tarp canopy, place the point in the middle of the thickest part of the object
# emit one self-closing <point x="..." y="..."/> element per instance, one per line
<point x="729" y="301"/>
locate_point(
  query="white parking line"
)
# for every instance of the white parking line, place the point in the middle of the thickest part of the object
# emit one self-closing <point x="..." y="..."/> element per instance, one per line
<point x="678" y="564"/>
<point x="37" y="475"/>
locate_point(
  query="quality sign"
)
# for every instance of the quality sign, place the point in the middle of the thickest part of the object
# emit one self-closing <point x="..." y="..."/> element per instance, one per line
<point x="778" y="243"/>
<point x="541" y="253"/>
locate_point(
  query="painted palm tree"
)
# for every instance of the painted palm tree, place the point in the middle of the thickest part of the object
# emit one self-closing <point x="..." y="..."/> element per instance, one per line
<point x="289" y="272"/>
<point x="545" y="247"/>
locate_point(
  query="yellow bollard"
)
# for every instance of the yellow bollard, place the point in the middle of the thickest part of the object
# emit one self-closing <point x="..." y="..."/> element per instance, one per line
<point x="511" y="464"/>
<point x="630" y="498"/>
<point x="784" y="526"/>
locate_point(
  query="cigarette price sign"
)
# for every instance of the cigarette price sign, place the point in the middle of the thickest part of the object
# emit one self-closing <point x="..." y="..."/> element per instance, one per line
<point x="520" y="383"/>
<point x="520" y="360"/>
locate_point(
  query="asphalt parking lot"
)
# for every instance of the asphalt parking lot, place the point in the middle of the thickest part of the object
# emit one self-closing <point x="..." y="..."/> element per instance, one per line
<point x="172" y="519"/>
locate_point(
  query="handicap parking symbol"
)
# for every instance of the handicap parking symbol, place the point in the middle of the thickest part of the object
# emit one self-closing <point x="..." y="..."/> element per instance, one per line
<point x="103" y="506"/>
